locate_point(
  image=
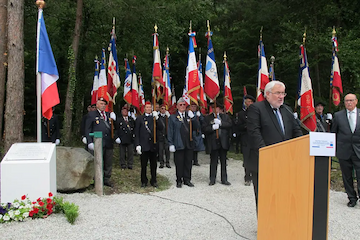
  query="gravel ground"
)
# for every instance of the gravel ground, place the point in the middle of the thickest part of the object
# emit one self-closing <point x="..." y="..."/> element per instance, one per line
<point x="202" y="212"/>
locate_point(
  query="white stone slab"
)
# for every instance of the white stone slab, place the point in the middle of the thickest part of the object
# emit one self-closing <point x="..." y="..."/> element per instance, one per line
<point x="28" y="169"/>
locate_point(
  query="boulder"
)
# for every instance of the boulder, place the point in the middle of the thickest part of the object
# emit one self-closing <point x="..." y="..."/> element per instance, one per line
<point x="74" y="168"/>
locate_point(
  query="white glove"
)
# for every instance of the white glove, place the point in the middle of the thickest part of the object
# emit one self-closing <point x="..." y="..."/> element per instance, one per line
<point x="203" y="135"/>
<point x="155" y="114"/>
<point x="113" y="116"/>
<point x="329" y="116"/>
<point x="84" y="140"/>
<point x="57" y="141"/>
<point x="172" y="148"/>
<point x="190" y="114"/>
<point x="217" y="121"/>
<point x="118" y="141"/>
<point x="296" y="115"/>
<point x="91" y="146"/>
<point x="215" y="126"/>
<point x="234" y="135"/>
<point x="198" y="114"/>
<point x="167" y="114"/>
<point x="133" y="115"/>
<point x="138" y="149"/>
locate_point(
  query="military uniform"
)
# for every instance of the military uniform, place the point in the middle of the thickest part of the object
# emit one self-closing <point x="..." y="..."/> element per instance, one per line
<point x="95" y="122"/>
<point x="50" y="129"/>
<point x="163" y="142"/>
<point x="125" y="130"/>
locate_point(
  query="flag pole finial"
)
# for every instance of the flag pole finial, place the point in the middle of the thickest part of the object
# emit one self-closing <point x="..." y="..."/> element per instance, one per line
<point x="304" y="36"/>
<point x="261" y="29"/>
<point x="40" y="4"/>
<point x="167" y="50"/>
<point x="272" y="59"/>
<point x="155" y="28"/>
<point x="190" y="28"/>
<point x="208" y="25"/>
<point x="333" y="31"/>
<point x="225" y="57"/>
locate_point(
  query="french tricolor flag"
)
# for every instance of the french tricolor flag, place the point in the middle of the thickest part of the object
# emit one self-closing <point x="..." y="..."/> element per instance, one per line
<point x="335" y="81"/>
<point x="46" y="66"/>
<point x="192" y="76"/>
<point x="127" y="83"/>
<point x="134" y="87"/>
<point x="95" y="83"/>
<point x="212" y="87"/>
<point x="263" y="73"/>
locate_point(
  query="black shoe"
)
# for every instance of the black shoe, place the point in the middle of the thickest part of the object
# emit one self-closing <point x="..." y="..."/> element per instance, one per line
<point x="155" y="185"/>
<point x="211" y="183"/>
<point x="248" y="183"/>
<point x="179" y="185"/>
<point x="189" y="184"/>
<point x="226" y="183"/>
<point x="108" y="183"/>
<point x="143" y="185"/>
<point x="351" y="203"/>
<point x="130" y="168"/>
<point x="161" y="166"/>
<point x="168" y="165"/>
<point x="196" y="164"/>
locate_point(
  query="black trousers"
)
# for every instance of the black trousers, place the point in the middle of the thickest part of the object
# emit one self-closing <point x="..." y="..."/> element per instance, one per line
<point x="164" y="148"/>
<point x="107" y="162"/>
<point x="347" y="166"/>
<point x="195" y="157"/>
<point x="183" y="165"/>
<point x="126" y="149"/>
<point x="145" y="157"/>
<point x="246" y="155"/>
<point x="214" y="157"/>
<point x="255" y="178"/>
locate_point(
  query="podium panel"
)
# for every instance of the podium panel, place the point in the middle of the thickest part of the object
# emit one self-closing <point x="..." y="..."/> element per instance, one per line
<point x="28" y="169"/>
<point x="287" y="200"/>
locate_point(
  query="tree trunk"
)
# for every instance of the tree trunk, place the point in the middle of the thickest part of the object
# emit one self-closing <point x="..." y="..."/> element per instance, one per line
<point x="3" y="63"/>
<point x="68" y="113"/>
<point x="14" y="109"/>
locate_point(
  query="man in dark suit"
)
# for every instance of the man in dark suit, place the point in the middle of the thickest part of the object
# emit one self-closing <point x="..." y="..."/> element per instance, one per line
<point x="50" y="130"/>
<point x="125" y="130"/>
<point x="197" y="133"/>
<point x="180" y="143"/>
<point x="346" y="125"/>
<point x="218" y="124"/>
<point x="144" y="142"/>
<point x="269" y="122"/>
<point x="323" y="121"/>
<point x="162" y="137"/>
<point x="243" y="135"/>
<point x="99" y="121"/>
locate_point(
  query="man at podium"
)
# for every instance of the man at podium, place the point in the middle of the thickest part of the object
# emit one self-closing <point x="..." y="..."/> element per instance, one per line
<point x="269" y="122"/>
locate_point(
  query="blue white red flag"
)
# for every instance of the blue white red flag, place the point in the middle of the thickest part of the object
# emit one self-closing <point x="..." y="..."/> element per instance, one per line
<point x="192" y="75"/>
<point x="134" y="87"/>
<point x="228" y="99"/>
<point x="102" y="90"/>
<point x="157" y="78"/>
<point x="113" y="81"/>
<point x="263" y="73"/>
<point x="46" y="66"/>
<point x="305" y="93"/>
<point x="166" y="77"/>
<point x="335" y="79"/>
<point x="202" y="96"/>
<point x="141" y="96"/>
<point x="95" y="83"/>
<point x="245" y="93"/>
<point x="127" y="83"/>
<point x="212" y="87"/>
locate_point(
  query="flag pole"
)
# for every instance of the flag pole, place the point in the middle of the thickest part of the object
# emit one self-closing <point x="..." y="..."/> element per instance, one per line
<point x="154" y="97"/>
<point x="297" y="95"/>
<point x="40" y="4"/>
<point x="332" y="73"/>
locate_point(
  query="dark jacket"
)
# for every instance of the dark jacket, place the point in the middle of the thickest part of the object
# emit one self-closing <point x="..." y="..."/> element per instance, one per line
<point x="179" y="131"/>
<point x="50" y="127"/>
<point x="125" y="130"/>
<point x="144" y="133"/>
<point x="346" y="141"/>
<point x="162" y="131"/>
<point x="263" y="129"/>
<point x="225" y="131"/>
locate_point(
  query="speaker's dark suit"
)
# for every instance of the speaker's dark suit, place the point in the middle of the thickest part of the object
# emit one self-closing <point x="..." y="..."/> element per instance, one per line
<point x="264" y="129"/>
<point x="348" y="149"/>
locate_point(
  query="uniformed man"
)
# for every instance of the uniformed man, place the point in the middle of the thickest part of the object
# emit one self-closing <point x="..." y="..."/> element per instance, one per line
<point x="323" y="121"/>
<point x="197" y="133"/>
<point x="125" y="130"/>
<point x="180" y="142"/>
<point x="99" y="121"/>
<point x="162" y="137"/>
<point x="50" y="130"/>
<point x="90" y="108"/>
<point x="217" y="128"/>
<point x="144" y="142"/>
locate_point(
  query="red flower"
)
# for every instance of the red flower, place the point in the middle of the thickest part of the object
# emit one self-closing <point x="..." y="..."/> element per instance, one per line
<point x="50" y="194"/>
<point x="31" y="213"/>
<point x="49" y="211"/>
<point x="49" y="206"/>
<point x="39" y="199"/>
<point x="48" y="200"/>
<point x="36" y="210"/>
<point x="23" y="197"/>
<point x="41" y="203"/>
<point x="33" y="202"/>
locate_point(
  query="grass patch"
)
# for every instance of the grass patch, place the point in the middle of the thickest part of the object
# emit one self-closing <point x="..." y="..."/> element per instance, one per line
<point x="336" y="182"/>
<point x="235" y="156"/>
<point x="128" y="181"/>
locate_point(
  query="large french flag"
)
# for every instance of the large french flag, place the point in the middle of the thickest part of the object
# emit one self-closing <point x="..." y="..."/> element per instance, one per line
<point x="263" y="73"/>
<point x="127" y="83"/>
<point x="202" y="96"/>
<point x="141" y="96"/>
<point x="166" y="77"/>
<point x="228" y="99"/>
<point x="95" y="83"/>
<point x="335" y="81"/>
<point x="192" y="76"/>
<point x="102" y="90"/>
<point x="46" y="66"/>
<point x="212" y="87"/>
<point x="305" y="93"/>
<point x="134" y="86"/>
<point x="113" y="81"/>
<point x="157" y="71"/>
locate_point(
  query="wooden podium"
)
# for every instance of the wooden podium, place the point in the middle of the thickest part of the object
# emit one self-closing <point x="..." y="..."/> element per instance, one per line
<point x="293" y="192"/>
